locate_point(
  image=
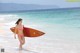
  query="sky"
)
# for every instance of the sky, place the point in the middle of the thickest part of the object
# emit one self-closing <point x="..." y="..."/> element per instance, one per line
<point x="59" y="3"/>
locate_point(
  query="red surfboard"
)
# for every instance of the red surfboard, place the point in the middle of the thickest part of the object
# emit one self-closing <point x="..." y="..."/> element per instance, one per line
<point x="29" y="32"/>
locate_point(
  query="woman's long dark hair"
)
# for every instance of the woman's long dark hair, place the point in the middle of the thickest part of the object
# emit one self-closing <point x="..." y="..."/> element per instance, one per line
<point x="18" y="21"/>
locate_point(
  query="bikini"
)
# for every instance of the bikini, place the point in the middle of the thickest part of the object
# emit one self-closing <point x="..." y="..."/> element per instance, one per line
<point x="20" y="35"/>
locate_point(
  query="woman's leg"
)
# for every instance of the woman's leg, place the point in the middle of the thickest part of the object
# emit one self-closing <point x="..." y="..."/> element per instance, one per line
<point x="21" y="42"/>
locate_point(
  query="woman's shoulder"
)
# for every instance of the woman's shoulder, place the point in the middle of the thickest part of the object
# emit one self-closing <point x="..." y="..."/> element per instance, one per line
<point x="23" y="25"/>
<point x="16" y="26"/>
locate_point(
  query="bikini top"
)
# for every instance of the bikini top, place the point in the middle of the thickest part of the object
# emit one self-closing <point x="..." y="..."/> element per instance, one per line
<point x="21" y="28"/>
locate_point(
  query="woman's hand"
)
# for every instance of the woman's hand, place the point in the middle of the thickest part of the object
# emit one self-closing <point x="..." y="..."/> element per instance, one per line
<point x="15" y="36"/>
<point x="15" y="31"/>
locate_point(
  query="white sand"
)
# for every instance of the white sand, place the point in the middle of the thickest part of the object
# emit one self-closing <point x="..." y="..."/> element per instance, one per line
<point x="52" y="42"/>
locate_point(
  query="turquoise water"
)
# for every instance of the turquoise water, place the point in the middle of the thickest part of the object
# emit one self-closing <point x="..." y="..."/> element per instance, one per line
<point x="66" y="22"/>
<point x="60" y="23"/>
<point x="69" y="17"/>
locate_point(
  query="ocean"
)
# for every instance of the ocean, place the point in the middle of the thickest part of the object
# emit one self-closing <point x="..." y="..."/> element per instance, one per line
<point x="62" y="28"/>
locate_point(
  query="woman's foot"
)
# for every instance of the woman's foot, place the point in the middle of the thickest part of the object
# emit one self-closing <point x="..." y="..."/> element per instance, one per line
<point x="20" y="48"/>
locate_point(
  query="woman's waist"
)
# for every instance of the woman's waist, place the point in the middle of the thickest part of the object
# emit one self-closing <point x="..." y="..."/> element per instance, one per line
<point x="20" y="31"/>
<point x="20" y="34"/>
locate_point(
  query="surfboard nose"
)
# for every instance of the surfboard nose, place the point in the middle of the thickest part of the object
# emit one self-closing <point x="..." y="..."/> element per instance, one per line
<point x="42" y="33"/>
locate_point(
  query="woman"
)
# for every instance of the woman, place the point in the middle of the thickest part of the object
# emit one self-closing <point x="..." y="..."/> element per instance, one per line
<point x="20" y="34"/>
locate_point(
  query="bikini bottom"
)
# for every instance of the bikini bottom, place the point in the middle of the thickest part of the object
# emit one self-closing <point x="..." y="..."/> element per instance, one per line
<point x="21" y="35"/>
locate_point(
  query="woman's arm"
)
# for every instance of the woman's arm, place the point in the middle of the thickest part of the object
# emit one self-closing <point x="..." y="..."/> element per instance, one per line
<point x="15" y="31"/>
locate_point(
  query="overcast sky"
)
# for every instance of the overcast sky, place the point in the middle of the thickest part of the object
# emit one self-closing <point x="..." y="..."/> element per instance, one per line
<point x="60" y="3"/>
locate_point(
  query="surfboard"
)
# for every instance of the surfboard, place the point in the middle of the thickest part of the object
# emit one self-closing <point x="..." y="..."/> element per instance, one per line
<point x="29" y="32"/>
